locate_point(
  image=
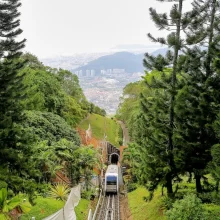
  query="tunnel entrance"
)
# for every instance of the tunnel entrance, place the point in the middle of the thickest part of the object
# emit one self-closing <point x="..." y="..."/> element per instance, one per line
<point x="114" y="158"/>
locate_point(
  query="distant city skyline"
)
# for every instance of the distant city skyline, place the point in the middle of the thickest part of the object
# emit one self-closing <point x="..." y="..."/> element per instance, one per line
<point x="54" y="27"/>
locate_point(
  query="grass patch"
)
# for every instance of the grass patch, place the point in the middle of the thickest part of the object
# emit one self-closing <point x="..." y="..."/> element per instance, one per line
<point x="47" y="206"/>
<point x="101" y="125"/>
<point x="143" y="210"/>
<point x="44" y="207"/>
<point x="82" y="209"/>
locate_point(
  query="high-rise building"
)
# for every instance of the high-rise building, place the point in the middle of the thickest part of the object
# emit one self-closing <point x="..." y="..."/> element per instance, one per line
<point x="92" y="72"/>
<point x="87" y="72"/>
<point x="103" y="72"/>
<point x="80" y="73"/>
<point x="109" y="71"/>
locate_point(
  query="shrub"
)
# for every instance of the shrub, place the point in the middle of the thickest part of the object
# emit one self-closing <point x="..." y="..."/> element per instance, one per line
<point x="167" y="203"/>
<point x="212" y="212"/>
<point x="12" y="208"/>
<point x="216" y="198"/>
<point x="210" y="197"/>
<point x="188" y="208"/>
<point x="131" y="187"/>
<point x="43" y="190"/>
<point x="206" y="197"/>
<point x="3" y="184"/>
<point x="88" y="194"/>
<point x="120" y="141"/>
<point x="212" y="216"/>
<point x="59" y="191"/>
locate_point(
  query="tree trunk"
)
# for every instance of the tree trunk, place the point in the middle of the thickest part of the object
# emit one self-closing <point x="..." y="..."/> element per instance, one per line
<point x="198" y="184"/>
<point x="173" y="83"/>
<point x="172" y="100"/>
<point x="210" y="41"/>
<point x="169" y="185"/>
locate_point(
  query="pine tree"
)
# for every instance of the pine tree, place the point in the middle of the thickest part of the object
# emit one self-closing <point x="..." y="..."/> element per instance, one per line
<point x="152" y="131"/>
<point x="177" y="22"/>
<point x="10" y="50"/>
<point x="12" y="143"/>
<point x="198" y="101"/>
<point x="9" y="29"/>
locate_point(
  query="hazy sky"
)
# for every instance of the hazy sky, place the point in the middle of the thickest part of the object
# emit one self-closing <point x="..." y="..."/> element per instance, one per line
<point x="65" y="27"/>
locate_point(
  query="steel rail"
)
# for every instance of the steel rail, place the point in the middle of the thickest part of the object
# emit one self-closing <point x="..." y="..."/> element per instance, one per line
<point x="98" y="205"/>
<point x="109" y="209"/>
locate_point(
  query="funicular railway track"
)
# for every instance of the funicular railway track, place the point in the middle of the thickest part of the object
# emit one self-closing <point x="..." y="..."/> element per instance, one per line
<point x="109" y="209"/>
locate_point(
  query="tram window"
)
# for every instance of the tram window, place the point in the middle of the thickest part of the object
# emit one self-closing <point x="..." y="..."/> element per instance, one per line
<point x="111" y="180"/>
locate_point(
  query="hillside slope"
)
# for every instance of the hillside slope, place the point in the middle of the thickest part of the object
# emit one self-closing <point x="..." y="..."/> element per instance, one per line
<point x="103" y="126"/>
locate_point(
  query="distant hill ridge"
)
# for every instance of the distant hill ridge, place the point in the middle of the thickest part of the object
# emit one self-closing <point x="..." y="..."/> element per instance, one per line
<point x="121" y="60"/>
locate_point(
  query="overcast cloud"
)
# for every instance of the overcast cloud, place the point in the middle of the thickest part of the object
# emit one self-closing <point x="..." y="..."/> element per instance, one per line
<point x="66" y="27"/>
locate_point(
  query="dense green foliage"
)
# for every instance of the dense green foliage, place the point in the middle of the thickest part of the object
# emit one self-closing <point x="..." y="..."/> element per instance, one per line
<point x="190" y="207"/>
<point x="53" y="90"/>
<point x="44" y="129"/>
<point x="129" y="105"/>
<point x="49" y="126"/>
<point x="84" y="160"/>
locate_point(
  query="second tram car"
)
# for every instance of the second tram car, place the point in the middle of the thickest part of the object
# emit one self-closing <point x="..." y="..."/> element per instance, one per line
<point x="111" y="179"/>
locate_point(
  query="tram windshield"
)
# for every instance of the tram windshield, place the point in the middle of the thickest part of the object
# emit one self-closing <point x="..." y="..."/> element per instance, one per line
<point x="111" y="180"/>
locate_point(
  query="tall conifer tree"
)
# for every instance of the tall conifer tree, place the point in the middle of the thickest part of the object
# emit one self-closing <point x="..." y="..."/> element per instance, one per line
<point x="152" y="131"/>
<point x="12" y="150"/>
<point x="176" y="22"/>
<point x="198" y="102"/>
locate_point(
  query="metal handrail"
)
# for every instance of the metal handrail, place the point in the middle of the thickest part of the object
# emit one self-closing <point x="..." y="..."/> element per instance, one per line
<point x="97" y="206"/>
<point x="118" y="208"/>
<point x="90" y="214"/>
